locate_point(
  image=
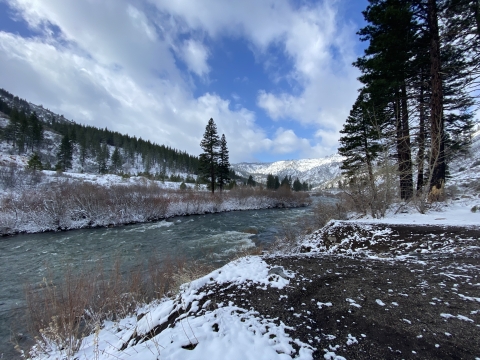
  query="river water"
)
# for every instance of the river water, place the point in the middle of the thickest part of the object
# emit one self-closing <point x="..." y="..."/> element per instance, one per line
<point x="29" y="258"/>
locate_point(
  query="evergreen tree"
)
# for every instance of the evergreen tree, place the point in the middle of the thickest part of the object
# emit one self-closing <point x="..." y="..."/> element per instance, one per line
<point x="305" y="186"/>
<point x="223" y="166"/>
<point x="102" y="158"/>
<point x="116" y="160"/>
<point x="35" y="132"/>
<point x="34" y="163"/>
<point x="251" y="182"/>
<point x="297" y="185"/>
<point x="208" y="160"/>
<point x="22" y="139"/>
<point x="270" y="182"/>
<point x="65" y="154"/>
<point x="12" y="130"/>
<point x="286" y="182"/>
<point x="360" y="141"/>
<point x="276" y="182"/>
<point x="385" y="67"/>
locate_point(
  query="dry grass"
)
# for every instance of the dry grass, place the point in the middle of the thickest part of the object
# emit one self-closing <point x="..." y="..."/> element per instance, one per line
<point x="70" y="205"/>
<point x="61" y="313"/>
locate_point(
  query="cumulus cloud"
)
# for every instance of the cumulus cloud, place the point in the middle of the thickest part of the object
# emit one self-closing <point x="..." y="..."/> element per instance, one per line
<point x="195" y="55"/>
<point x="286" y="141"/>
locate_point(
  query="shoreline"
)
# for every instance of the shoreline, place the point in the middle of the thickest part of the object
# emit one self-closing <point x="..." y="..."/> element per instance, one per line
<point x="4" y="234"/>
<point x="383" y="299"/>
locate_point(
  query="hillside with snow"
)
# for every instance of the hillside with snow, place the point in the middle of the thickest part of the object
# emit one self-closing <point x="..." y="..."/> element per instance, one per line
<point x="317" y="172"/>
<point x="93" y="150"/>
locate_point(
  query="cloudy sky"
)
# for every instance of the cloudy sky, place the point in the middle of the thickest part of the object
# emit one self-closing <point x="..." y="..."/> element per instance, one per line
<point x="275" y="75"/>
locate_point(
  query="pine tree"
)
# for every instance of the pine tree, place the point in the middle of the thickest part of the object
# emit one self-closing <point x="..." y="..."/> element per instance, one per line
<point x="276" y="182"/>
<point x="270" y="182"/>
<point x="305" y="186"/>
<point x="102" y="158"/>
<point x="297" y="185"/>
<point x="251" y="182"/>
<point x="223" y="165"/>
<point x="35" y="131"/>
<point x="360" y="141"/>
<point x="386" y="71"/>
<point x="34" y="163"/>
<point x="12" y="130"/>
<point x="65" y="154"/>
<point x="209" y="158"/>
<point x="116" y="160"/>
<point x="286" y="182"/>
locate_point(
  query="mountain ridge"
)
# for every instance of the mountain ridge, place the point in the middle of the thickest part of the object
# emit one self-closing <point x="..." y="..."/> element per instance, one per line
<point x="317" y="172"/>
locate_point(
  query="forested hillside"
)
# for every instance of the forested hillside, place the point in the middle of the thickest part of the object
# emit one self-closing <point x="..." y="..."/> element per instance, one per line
<point x="29" y="129"/>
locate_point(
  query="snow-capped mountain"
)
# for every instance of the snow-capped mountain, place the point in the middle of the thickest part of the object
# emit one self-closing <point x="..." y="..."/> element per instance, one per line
<point x="317" y="172"/>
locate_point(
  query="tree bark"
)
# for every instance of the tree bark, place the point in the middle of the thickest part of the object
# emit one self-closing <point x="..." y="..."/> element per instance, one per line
<point x="437" y="156"/>
<point x="421" y="138"/>
<point x="403" y="145"/>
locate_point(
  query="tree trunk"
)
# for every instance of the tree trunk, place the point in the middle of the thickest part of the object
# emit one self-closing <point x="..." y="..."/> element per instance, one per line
<point x="212" y="175"/>
<point x="403" y="146"/>
<point x="437" y="156"/>
<point x="406" y="146"/>
<point x="421" y="138"/>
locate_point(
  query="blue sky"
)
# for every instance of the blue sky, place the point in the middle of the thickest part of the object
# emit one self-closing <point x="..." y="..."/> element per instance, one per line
<point x="275" y="75"/>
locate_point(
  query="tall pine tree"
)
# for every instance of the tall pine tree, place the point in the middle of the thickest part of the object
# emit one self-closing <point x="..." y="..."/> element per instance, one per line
<point x="223" y="166"/>
<point x="65" y="154"/>
<point x="208" y="160"/>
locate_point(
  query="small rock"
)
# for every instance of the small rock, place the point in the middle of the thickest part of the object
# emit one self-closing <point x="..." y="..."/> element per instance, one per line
<point x="305" y="249"/>
<point x="277" y="271"/>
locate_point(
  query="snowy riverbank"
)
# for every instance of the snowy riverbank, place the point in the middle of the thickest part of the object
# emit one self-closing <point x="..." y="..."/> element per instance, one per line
<point x="78" y="201"/>
<point x="351" y="290"/>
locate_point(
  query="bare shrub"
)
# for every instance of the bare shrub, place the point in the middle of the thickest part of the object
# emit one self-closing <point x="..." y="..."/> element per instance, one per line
<point x="323" y="212"/>
<point x="8" y="176"/>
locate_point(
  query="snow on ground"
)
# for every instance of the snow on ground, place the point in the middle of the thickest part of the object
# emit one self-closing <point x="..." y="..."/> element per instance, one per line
<point x="187" y="328"/>
<point x="451" y="212"/>
<point x="192" y="327"/>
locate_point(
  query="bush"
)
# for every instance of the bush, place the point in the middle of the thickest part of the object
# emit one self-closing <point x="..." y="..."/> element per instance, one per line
<point x="324" y="212"/>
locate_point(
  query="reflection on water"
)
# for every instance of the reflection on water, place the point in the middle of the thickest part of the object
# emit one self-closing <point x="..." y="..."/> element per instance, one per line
<point x="29" y="258"/>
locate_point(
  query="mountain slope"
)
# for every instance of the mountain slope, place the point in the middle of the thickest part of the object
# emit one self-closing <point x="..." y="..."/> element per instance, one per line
<point x="316" y="172"/>
<point x="93" y="149"/>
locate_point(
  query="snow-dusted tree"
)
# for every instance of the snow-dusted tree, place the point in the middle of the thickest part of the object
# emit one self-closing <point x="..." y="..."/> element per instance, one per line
<point x="116" y="160"/>
<point x="102" y="158"/>
<point x="34" y="163"/>
<point x="65" y="154"/>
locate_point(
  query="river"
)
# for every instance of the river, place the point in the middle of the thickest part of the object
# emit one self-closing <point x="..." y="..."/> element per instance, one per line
<point x="29" y="257"/>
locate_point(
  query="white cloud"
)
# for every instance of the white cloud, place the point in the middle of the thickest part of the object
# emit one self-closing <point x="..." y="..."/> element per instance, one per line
<point x="286" y="141"/>
<point x="111" y="63"/>
<point x="90" y="93"/>
<point x="312" y="36"/>
<point x="195" y="55"/>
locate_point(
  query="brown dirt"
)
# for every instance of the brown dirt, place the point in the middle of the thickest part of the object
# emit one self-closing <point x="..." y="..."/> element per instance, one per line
<point x="415" y="292"/>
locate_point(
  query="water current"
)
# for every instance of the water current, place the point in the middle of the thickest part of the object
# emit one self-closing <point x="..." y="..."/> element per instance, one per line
<point x="30" y="257"/>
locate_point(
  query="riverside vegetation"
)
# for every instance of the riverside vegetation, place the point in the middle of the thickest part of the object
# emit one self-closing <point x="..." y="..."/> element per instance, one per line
<point x="73" y="205"/>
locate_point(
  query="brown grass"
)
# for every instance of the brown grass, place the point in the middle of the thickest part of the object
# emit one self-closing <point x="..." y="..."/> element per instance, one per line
<point x="75" y="204"/>
<point x="65" y="311"/>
